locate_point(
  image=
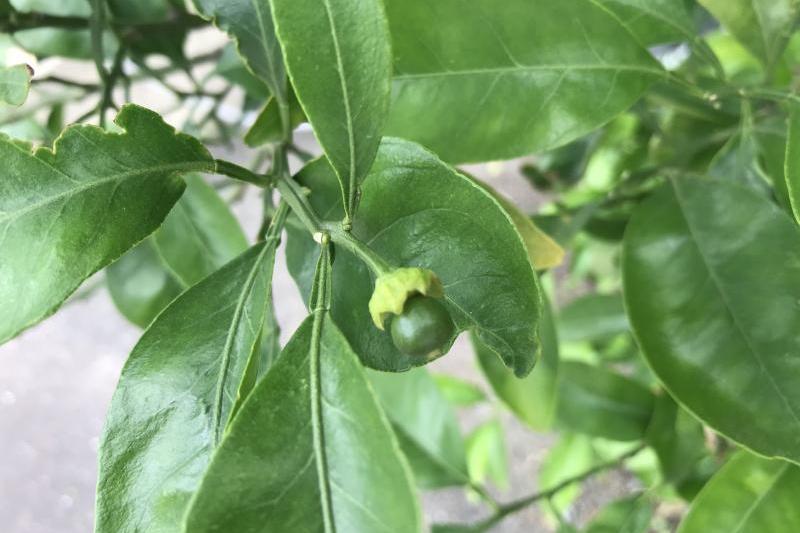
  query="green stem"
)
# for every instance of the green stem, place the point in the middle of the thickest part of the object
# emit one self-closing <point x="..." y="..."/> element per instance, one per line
<point x="377" y="264"/>
<point x="232" y="170"/>
<point x="97" y="25"/>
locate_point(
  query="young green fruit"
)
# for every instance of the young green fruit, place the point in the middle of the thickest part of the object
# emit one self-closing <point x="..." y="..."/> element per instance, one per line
<point x="423" y="328"/>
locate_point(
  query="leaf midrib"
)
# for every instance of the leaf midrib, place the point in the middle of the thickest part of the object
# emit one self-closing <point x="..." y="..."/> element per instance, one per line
<point x="190" y="166"/>
<point x="233" y="330"/>
<point x="523" y="69"/>
<point x="351" y="178"/>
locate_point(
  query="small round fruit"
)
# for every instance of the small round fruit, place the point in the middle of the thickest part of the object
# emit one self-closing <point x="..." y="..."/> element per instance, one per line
<point x="423" y="328"/>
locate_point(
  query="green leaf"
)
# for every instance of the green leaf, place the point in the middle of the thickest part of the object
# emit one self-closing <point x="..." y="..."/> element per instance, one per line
<point x="64" y="214"/>
<point x="630" y="515"/>
<point x="140" y="285"/>
<point x="487" y="458"/>
<point x="459" y="392"/>
<point x="309" y="447"/>
<point x="571" y="456"/>
<point x="677" y="438"/>
<point x="712" y="284"/>
<point x="345" y="84"/>
<point x="63" y="8"/>
<point x="482" y="80"/>
<point x="425" y="425"/>
<point x="748" y="495"/>
<point x="592" y="317"/>
<point x="250" y="24"/>
<point x="602" y="403"/>
<point x="14" y="84"/>
<point x="792" y="162"/>
<point x="175" y="396"/>
<point x="738" y="161"/>
<point x="74" y="44"/>
<point x="268" y="127"/>
<point x="418" y="212"/>
<point x="762" y="26"/>
<point x="533" y="398"/>
<point x="199" y="235"/>
<point x="232" y="68"/>
<point x="654" y="21"/>
<point x="543" y="251"/>
<point x="661" y="21"/>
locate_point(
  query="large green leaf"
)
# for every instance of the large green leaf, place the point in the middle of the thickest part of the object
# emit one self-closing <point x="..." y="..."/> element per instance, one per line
<point x="250" y="24"/>
<point x="712" y="283"/>
<point x="417" y="211"/>
<point x="176" y="394"/>
<point x="345" y="84"/>
<point x="140" y="284"/>
<point x="64" y="214"/>
<point x="533" y="398"/>
<point x="14" y="84"/>
<point x="425" y="426"/>
<point x="200" y="234"/>
<point x="477" y="80"/>
<point x="602" y="403"/>
<point x="748" y="495"/>
<point x="310" y="451"/>
<point x="762" y="26"/>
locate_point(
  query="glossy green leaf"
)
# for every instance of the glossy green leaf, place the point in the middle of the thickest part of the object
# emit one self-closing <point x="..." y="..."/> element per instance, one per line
<point x="602" y="403"/>
<point x="65" y="214"/>
<point x="592" y="317"/>
<point x="175" y="396"/>
<point x="417" y="211"/>
<point x="630" y="515"/>
<point x="457" y="391"/>
<point x="478" y="80"/>
<point x="344" y="85"/>
<point x="762" y="26"/>
<point x="748" y="495"/>
<point x="533" y="398"/>
<point x="272" y="473"/>
<point x="712" y="284"/>
<point x="487" y="458"/>
<point x="250" y="24"/>
<point x="14" y="84"/>
<point x="792" y="162"/>
<point x="425" y="425"/>
<point x="140" y="285"/>
<point x="199" y="235"/>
